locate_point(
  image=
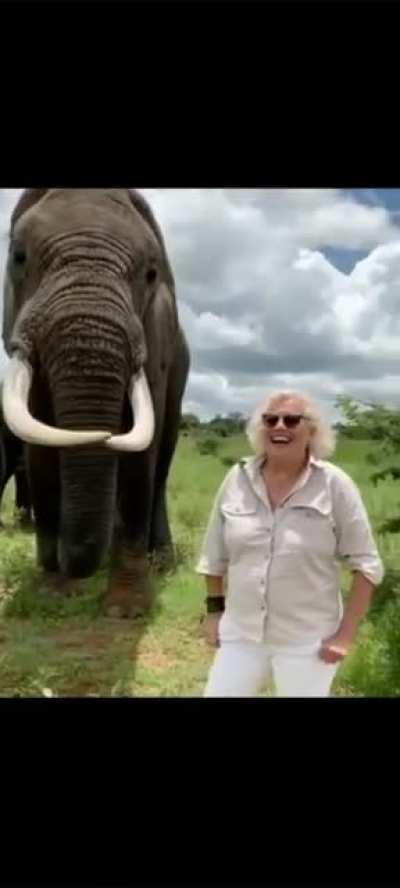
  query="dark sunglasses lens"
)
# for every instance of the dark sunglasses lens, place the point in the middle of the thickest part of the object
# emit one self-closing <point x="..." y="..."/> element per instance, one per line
<point x="270" y="421"/>
<point x="291" y="421"/>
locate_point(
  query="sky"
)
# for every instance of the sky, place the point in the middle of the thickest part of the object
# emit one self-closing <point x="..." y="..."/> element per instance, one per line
<point x="280" y="288"/>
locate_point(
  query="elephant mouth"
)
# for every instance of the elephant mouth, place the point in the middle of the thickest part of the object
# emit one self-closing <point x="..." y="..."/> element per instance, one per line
<point x="16" y="390"/>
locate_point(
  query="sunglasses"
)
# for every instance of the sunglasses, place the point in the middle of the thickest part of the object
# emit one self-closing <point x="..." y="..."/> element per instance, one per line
<point x="290" y="420"/>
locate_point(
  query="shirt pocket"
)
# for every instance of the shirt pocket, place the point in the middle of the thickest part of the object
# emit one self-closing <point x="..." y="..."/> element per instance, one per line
<point x="243" y="527"/>
<point x="309" y="529"/>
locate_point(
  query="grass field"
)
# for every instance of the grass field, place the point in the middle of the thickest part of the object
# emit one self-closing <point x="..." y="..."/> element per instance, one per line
<point x="52" y="648"/>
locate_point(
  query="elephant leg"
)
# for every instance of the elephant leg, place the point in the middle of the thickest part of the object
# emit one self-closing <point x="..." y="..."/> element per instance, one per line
<point x="2" y="486"/>
<point x="44" y="480"/>
<point x="142" y="513"/>
<point x="130" y="592"/>
<point x="3" y="462"/>
<point x="160" y="540"/>
<point x="160" y="534"/>
<point x="8" y="465"/>
<point x="22" y="493"/>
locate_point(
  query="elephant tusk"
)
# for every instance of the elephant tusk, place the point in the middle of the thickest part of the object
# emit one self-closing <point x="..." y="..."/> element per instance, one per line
<point x="16" y="388"/>
<point x="142" y="432"/>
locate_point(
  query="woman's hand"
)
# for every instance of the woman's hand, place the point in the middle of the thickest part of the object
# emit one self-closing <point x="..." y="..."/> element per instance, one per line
<point x="335" y="648"/>
<point x="210" y="629"/>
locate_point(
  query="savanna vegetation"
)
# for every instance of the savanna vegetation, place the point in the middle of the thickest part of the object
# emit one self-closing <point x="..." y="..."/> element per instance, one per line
<point x="55" y="647"/>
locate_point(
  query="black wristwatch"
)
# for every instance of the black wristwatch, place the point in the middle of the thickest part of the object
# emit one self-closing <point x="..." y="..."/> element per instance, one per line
<point x="215" y="604"/>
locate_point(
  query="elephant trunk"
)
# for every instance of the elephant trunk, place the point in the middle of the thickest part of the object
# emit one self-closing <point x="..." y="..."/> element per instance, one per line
<point x="88" y="495"/>
<point x="88" y="368"/>
<point x="88" y="474"/>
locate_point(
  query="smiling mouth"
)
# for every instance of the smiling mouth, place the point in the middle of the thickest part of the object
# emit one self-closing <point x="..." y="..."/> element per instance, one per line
<point x="280" y="439"/>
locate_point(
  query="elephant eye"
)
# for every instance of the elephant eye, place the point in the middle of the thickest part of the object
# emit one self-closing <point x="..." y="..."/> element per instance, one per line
<point x="151" y="275"/>
<point x="19" y="255"/>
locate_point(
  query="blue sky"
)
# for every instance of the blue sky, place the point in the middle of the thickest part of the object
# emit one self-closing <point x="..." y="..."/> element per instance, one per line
<point x="281" y="288"/>
<point x="389" y="198"/>
<point x="386" y="197"/>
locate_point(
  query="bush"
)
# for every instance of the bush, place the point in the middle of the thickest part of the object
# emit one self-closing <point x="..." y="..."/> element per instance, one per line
<point x="228" y="461"/>
<point x="221" y="431"/>
<point x="385" y="595"/>
<point x="208" y="446"/>
<point x="372" y="669"/>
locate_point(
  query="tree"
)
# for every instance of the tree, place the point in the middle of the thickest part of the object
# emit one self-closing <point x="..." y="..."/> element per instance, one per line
<point x="189" y="421"/>
<point x="232" y="424"/>
<point x="371" y="422"/>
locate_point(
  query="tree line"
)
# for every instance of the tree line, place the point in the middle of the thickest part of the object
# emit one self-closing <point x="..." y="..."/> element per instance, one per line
<point x="223" y="426"/>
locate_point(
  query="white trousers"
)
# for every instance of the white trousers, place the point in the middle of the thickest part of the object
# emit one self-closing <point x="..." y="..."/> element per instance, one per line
<point x="240" y="669"/>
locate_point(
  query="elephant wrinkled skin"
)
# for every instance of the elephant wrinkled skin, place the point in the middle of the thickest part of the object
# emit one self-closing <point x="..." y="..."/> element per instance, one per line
<point x="90" y="324"/>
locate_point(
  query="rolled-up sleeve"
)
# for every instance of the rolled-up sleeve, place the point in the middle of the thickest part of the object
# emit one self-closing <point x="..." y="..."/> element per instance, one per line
<point x="213" y="559"/>
<point x="356" y="546"/>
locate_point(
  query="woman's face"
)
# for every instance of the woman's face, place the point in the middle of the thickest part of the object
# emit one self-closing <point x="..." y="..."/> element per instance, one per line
<point x="282" y="440"/>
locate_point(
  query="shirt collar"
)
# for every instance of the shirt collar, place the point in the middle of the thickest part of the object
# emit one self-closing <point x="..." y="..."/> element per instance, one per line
<point x="252" y="466"/>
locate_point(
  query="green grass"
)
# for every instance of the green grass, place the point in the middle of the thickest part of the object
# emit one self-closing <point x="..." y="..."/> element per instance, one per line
<point x="55" y="647"/>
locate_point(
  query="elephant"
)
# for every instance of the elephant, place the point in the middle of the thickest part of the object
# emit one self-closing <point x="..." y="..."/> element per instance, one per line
<point x="98" y="365"/>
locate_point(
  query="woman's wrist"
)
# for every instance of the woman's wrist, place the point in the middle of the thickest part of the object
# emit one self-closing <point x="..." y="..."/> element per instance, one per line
<point x="215" y="604"/>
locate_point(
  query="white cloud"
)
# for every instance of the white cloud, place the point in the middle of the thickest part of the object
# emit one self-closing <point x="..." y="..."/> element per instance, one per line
<point x="208" y="330"/>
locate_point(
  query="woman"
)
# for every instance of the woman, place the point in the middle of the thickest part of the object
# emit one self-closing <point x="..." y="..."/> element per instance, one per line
<point x="281" y="524"/>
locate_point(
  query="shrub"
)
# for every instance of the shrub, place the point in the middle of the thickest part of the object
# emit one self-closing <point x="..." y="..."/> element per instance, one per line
<point x="208" y="446"/>
<point x="228" y="461"/>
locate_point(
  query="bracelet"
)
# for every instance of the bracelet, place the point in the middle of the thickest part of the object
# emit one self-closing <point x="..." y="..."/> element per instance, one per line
<point x="215" y="604"/>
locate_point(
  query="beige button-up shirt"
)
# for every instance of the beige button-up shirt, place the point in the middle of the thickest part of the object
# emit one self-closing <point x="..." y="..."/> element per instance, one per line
<point x="282" y="567"/>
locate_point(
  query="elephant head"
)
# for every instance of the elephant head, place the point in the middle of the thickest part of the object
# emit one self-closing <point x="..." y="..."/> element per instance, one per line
<point x="84" y="268"/>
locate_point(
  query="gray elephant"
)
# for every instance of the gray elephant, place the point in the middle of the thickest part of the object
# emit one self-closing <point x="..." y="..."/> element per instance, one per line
<point x="97" y="371"/>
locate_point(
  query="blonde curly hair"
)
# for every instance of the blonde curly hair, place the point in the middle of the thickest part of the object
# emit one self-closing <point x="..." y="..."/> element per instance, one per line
<point x="323" y="440"/>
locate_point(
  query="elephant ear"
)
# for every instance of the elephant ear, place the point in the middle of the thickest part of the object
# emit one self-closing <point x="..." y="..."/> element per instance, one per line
<point x="28" y="198"/>
<point x="146" y="213"/>
<point x="9" y="313"/>
<point x="164" y="304"/>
